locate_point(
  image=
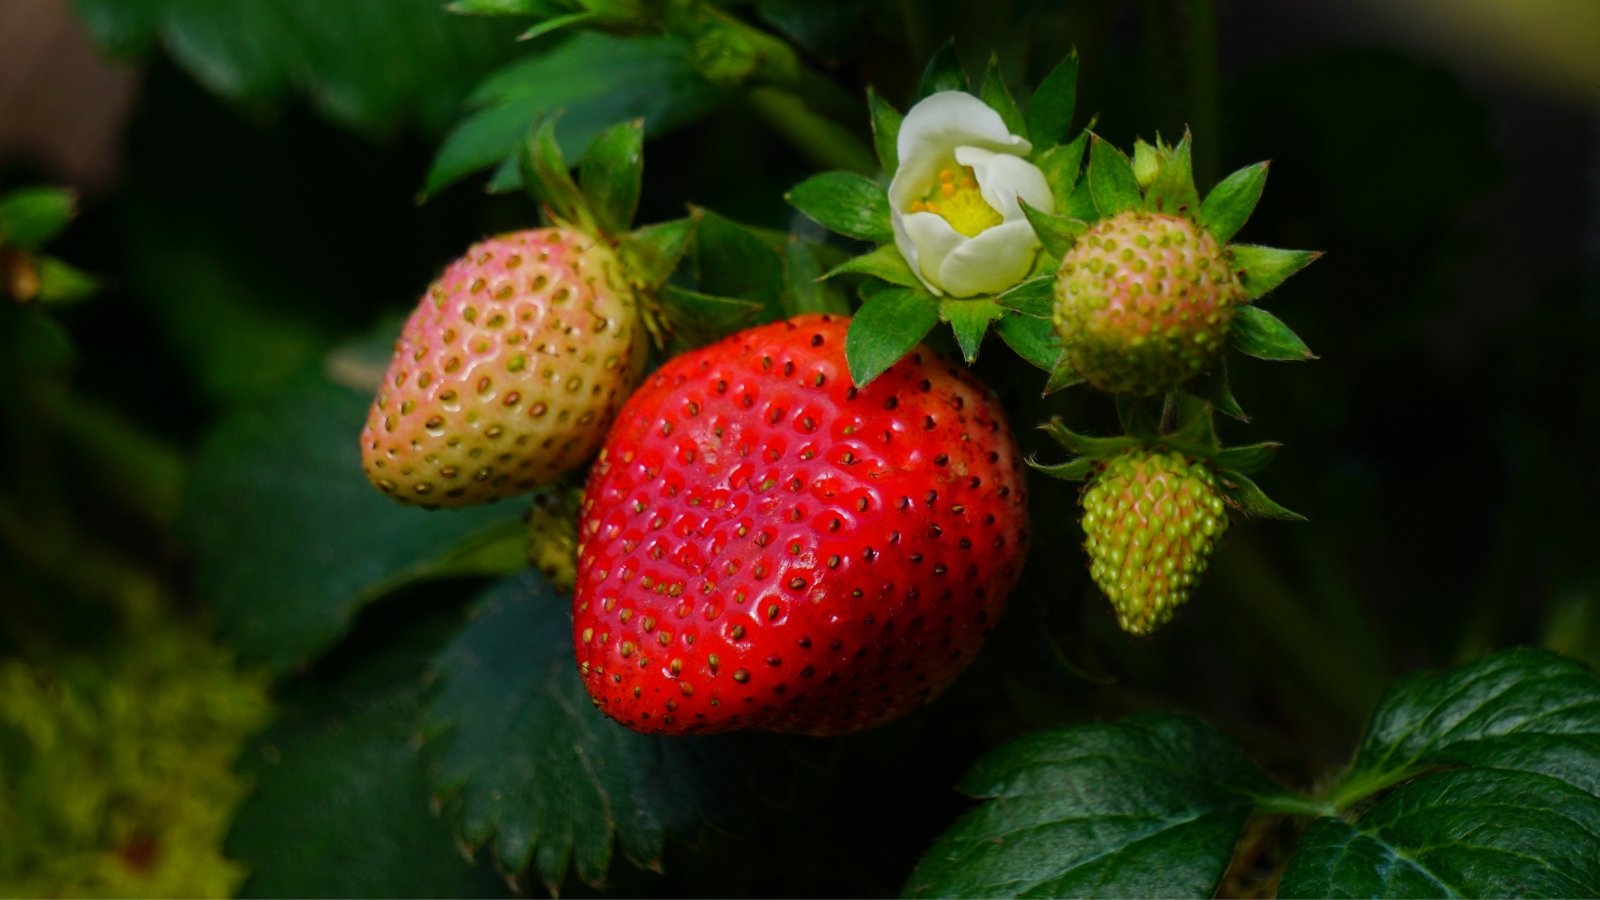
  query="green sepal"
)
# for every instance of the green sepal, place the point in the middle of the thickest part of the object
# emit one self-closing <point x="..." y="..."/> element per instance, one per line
<point x="652" y="253"/>
<point x="1056" y="233"/>
<point x="1034" y="339"/>
<point x="507" y="8"/>
<point x="1172" y="191"/>
<point x="62" y="284"/>
<point x="885" y="262"/>
<point x="1051" y="107"/>
<point x="1262" y="269"/>
<point x="32" y="217"/>
<point x="1213" y="387"/>
<point x="696" y="319"/>
<point x="1111" y="181"/>
<point x="890" y="322"/>
<point x="1034" y="297"/>
<point x="1247" y="459"/>
<point x="1062" y="375"/>
<point x="1251" y="500"/>
<point x="1080" y="204"/>
<point x="547" y="179"/>
<point x="611" y="174"/>
<point x="845" y="202"/>
<point x="1078" y="469"/>
<point x="998" y="97"/>
<point x="1086" y="446"/>
<point x="1060" y="166"/>
<point x="885" y="130"/>
<point x="1231" y="202"/>
<point x="1139" y="417"/>
<point x="806" y="292"/>
<point x="556" y="23"/>
<point x="1192" y="429"/>
<point x="944" y="72"/>
<point x="1256" y="332"/>
<point x="969" y="319"/>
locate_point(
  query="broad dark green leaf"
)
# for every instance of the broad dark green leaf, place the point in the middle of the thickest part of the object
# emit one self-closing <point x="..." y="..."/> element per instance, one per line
<point x="1111" y="181"/>
<point x="611" y="174"/>
<point x="1173" y="191"/>
<point x="944" y="72"/>
<point x="597" y="79"/>
<point x="998" y="97"/>
<point x="1262" y="269"/>
<point x="806" y="291"/>
<point x="850" y="204"/>
<point x="1056" y="233"/>
<point x="32" y="217"/>
<point x="1034" y="339"/>
<point x="885" y="262"/>
<point x="1256" y="332"/>
<point x="290" y="539"/>
<point x="1060" y="166"/>
<point x="390" y="64"/>
<point x="1149" y="807"/>
<point x="733" y="261"/>
<point x="1495" y="776"/>
<point x="1231" y="202"/>
<point x="532" y="769"/>
<point x="885" y="130"/>
<point x="970" y="320"/>
<point x="1051" y="106"/>
<point x="887" y="326"/>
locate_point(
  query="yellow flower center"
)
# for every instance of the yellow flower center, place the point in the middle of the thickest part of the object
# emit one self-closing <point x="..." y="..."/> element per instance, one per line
<point x="955" y="199"/>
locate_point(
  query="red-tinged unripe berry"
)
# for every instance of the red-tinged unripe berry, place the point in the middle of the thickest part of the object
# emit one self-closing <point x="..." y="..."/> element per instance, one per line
<point x="1151" y="521"/>
<point x="508" y="372"/>
<point x="1143" y="302"/>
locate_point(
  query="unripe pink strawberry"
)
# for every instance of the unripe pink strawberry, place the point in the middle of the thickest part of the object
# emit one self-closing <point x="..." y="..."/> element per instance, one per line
<point x="508" y="373"/>
<point x="1151" y="520"/>
<point x="1143" y="302"/>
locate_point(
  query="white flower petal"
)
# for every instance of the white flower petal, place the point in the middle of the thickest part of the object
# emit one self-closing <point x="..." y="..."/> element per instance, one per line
<point x="932" y="239"/>
<point x="996" y="259"/>
<point x="941" y="122"/>
<point x="1002" y="178"/>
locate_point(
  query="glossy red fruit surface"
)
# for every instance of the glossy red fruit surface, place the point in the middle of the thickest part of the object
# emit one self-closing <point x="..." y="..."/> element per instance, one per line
<point x="763" y="545"/>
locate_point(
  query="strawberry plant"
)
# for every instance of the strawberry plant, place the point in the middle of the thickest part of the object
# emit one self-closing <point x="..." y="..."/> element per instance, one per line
<point x="793" y="447"/>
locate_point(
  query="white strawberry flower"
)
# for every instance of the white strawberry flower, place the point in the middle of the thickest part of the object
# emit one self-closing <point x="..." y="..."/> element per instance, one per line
<point x="953" y="200"/>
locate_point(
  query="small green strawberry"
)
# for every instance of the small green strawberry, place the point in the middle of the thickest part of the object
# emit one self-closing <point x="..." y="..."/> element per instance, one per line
<point x="553" y="536"/>
<point x="1149" y="291"/>
<point x="1151" y="520"/>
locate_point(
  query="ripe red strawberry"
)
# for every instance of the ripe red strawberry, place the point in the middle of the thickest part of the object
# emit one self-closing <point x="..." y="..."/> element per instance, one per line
<point x="508" y="372"/>
<point x="1151" y="519"/>
<point x="1144" y="301"/>
<point x="763" y="545"/>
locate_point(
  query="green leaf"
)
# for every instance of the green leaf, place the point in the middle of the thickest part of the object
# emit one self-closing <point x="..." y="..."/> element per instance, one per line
<point x="732" y="261"/>
<point x="806" y="291"/>
<point x="1060" y="166"/>
<point x="1247" y="459"/>
<point x="612" y="171"/>
<point x="597" y="79"/>
<point x="850" y="204"/>
<point x="1034" y="297"/>
<point x="1173" y="189"/>
<point x="1150" y="807"/>
<point x="1262" y="269"/>
<point x="652" y="253"/>
<point x="1231" y="202"/>
<point x="1033" y="339"/>
<point x="1253" y="501"/>
<point x="547" y="178"/>
<point x="887" y="326"/>
<point x="341" y="805"/>
<point x="885" y="262"/>
<point x="290" y="539"/>
<point x="970" y="320"/>
<point x="556" y="23"/>
<point x="1056" y="233"/>
<point x="531" y="768"/>
<point x="1498" y="794"/>
<point x="61" y="283"/>
<point x="32" y="217"/>
<point x="1050" y="109"/>
<point x="1111" y="181"/>
<point x="998" y="97"/>
<point x="885" y="130"/>
<point x="398" y="63"/>
<point x="1256" y="332"/>
<point x="696" y="319"/>
<point x="944" y="72"/>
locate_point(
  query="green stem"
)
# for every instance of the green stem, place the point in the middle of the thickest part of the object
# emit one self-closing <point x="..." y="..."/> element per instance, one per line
<point x="824" y="141"/>
<point x="1204" y="94"/>
<point x="1354" y="789"/>
<point x="1291" y="804"/>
